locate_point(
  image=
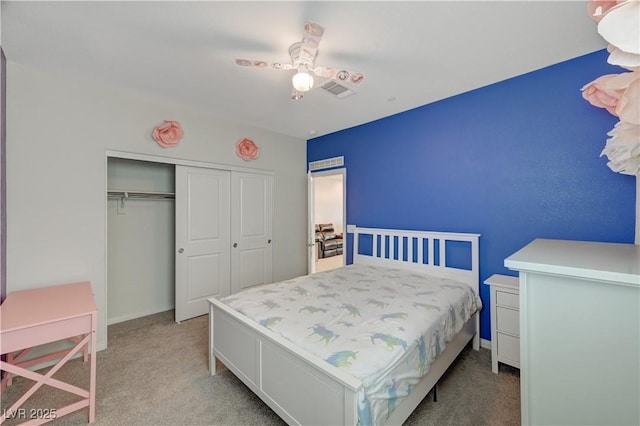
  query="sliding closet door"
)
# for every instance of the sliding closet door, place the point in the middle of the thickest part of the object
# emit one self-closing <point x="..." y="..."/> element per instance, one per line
<point x="203" y="238"/>
<point x="251" y="224"/>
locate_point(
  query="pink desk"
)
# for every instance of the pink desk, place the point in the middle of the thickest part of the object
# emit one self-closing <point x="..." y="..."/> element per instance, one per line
<point x="29" y="318"/>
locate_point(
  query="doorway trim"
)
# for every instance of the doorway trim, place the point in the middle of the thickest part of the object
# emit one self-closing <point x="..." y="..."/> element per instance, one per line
<point x="332" y="172"/>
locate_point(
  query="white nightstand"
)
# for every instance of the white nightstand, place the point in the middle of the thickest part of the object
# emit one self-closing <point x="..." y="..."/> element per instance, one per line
<point x="505" y="320"/>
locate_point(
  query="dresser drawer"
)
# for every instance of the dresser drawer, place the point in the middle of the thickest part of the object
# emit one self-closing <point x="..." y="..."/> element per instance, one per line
<point x="507" y="299"/>
<point x="508" y="321"/>
<point x="509" y="349"/>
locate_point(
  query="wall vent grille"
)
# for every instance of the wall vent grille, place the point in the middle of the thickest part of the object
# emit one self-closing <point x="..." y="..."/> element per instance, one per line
<point x="327" y="163"/>
<point x="336" y="89"/>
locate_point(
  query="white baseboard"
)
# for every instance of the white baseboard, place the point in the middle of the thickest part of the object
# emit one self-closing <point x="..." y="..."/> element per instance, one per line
<point x="122" y="318"/>
<point x="484" y="343"/>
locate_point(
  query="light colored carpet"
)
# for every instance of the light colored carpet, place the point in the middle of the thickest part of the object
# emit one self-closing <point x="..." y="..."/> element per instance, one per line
<point x="155" y="372"/>
<point x="329" y="263"/>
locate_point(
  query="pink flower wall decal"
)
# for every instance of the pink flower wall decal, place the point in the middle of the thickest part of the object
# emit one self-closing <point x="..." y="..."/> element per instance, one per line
<point x="168" y="134"/>
<point x="247" y="149"/>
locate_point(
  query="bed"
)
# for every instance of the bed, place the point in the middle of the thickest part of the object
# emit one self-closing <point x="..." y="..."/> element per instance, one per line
<point x="363" y="344"/>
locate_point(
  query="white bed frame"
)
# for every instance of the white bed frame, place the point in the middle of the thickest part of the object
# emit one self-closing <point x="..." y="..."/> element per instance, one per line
<point x="305" y="389"/>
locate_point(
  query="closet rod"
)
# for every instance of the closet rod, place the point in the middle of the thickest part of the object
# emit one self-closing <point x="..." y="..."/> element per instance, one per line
<point x="146" y="195"/>
<point x="141" y="194"/>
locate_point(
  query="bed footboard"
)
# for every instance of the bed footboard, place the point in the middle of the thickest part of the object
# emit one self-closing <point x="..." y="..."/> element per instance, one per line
<point x="298" y="387"/>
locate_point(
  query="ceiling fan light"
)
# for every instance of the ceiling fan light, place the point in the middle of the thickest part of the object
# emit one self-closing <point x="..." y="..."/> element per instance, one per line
<point x="302" y="81"/>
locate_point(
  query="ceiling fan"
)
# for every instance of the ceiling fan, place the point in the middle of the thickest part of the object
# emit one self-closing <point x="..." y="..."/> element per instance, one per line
<point x="303" y="55"/>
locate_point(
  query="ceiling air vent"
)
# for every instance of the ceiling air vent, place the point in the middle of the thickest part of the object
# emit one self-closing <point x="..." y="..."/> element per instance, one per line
<point x="327" y="163"/>
<point x="336" y="89"/>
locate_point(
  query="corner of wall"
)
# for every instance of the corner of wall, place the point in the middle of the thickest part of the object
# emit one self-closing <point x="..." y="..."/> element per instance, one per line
<point x="637" y="240"/>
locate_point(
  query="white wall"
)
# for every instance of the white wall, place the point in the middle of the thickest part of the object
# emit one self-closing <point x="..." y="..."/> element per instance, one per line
<point x="329" y="201"/>
<point x="58" y="130"/>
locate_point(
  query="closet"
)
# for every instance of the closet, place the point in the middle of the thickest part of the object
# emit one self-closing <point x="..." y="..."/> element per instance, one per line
<point x="178" y="234"/>
<point x="140" y="239"/>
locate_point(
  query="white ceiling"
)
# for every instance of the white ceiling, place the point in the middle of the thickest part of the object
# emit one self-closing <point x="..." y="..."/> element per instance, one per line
<point x="412" y="53"/>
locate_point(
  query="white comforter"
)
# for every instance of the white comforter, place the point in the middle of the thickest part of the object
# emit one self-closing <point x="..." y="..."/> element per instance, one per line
<point x="383" y="326"/>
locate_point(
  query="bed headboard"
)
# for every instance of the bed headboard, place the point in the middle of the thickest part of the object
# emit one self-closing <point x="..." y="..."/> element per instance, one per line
<point x="447" y="254"/>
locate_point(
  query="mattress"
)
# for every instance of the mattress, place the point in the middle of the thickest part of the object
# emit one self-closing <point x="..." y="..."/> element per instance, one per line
<point x="380" y="325"/>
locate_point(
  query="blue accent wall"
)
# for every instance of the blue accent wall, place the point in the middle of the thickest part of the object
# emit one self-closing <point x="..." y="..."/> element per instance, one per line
<point x="513" y="161"/>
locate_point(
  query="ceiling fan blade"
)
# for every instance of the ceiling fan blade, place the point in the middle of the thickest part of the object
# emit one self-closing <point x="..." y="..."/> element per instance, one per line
<point x="263" y="64"/>
<point x="249" y="63"/>
<point x="281" y="66"/>
<point x="350" y="76"/>
<point x="311" y="37"/>
<point x="326" y="72"/>
<point x="312" y="34"/>
<point x="347" y="76"/>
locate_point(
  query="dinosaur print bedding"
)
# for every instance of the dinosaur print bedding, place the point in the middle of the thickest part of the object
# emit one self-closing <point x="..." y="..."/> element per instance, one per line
<point x="382" y="326"/>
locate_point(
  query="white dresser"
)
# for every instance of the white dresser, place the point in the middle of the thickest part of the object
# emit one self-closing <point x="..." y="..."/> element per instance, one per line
<point x="505" y="320"/>
<point x="579" y="332"/>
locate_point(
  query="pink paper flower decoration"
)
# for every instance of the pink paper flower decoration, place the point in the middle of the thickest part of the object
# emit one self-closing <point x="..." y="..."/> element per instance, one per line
<point x="623" y="149"/>
<point x="628" y="85"/>
<point x="599" y="95"/>
<point x="168" y="134"/>
<point x="598" y="8"/>
<point x="630" y="61"/>
<point x="619" y="24"/>
<point x="617" y="93"/>
<point x="247" y="149"/>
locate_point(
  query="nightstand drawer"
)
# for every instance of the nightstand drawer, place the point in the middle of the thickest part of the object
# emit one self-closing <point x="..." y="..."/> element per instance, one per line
<point x="507" y="299"/>
<point x="509" y="349"/>
<point x="508" y="321"/>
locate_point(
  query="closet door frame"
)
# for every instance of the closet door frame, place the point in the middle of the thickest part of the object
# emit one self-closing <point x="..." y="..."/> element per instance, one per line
<point x="174" y="161"/>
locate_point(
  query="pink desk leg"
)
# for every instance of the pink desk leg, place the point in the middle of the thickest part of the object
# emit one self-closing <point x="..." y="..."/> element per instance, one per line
<point x="92" y="385"/>
<point x="47" y="379"/>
